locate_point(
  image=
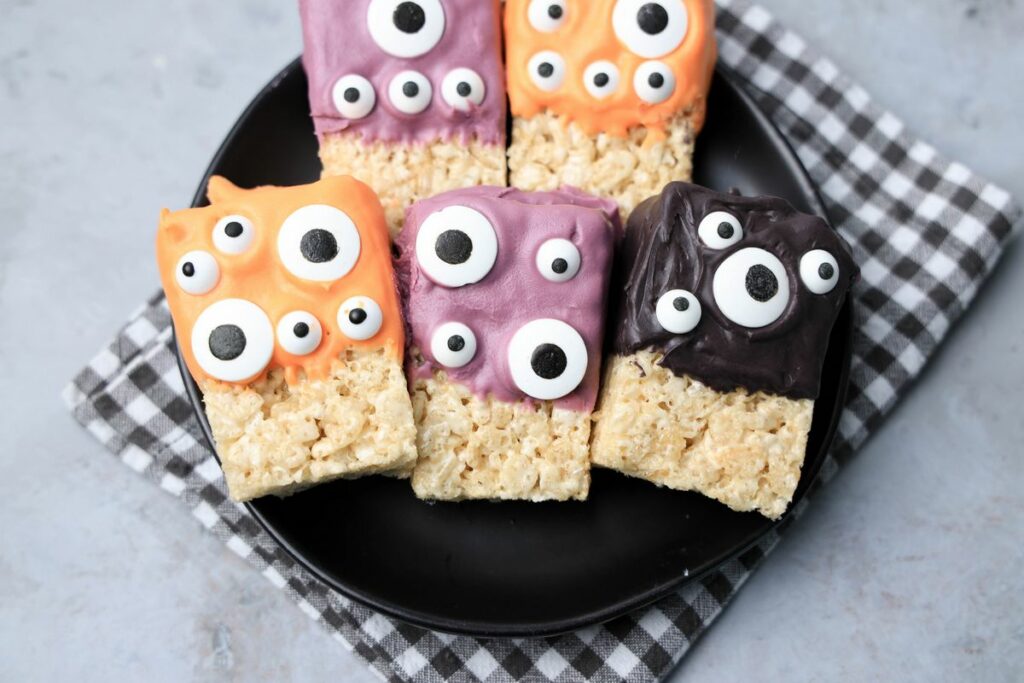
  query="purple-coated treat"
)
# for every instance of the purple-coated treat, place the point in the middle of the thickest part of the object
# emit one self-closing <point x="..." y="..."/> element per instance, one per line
<point x="405" y="71"/>
<point x="505" y="291"/>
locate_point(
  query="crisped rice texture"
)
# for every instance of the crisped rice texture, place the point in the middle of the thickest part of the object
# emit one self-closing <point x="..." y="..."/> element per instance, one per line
<point x="742" y="449"/>
<point x="547" y="153"/>
<point x="483" y="448"/>
<point x="401" y="174"/>
<point x="276" y="438"/>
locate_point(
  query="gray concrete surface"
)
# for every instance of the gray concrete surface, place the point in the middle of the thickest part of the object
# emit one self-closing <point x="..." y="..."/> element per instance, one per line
<point x="907" y="568"/>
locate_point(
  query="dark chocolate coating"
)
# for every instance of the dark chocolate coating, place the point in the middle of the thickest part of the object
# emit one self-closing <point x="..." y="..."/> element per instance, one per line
<point x="662" y="251"/>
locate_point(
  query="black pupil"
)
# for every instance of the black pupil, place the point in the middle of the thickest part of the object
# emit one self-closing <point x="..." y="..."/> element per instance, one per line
<point x="826" y="271"/>
<point x="559" y="265"/>
<point x="548" y="361"/>
<point x="188" y="269"/>
<point x="453" y="247"/>
<point x="233" y="229"/>
<point x="681" y="303"/>
<point x="601" y="80"/>
<point x="456" y="343"/>
<point x="652" y="18"/>
<point x="227" y="342"/>
<point x="356" y="316"/>
<point x="409" y="17"/>
<point x="463" y="89"/>
<point x="318" y="246"/>
<point x="410" y="89"/>
<point x="301" y="330"/>
<point x="725" y="230"/>
<point x="655" y="81"/>
<point x="351" y="95"/>
<point x="545" y="69"/>
<point x="555" y="12"/>
<point x="761" y="283"/>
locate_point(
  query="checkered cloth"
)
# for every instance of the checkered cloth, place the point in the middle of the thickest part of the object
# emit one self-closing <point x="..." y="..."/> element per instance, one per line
<point x="926" y="233"/>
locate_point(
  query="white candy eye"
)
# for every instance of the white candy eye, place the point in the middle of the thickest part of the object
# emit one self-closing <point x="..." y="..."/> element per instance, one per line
<point x="462" y="88"/>
<point x="547" y="70"/>
<point x="410" y="92"/>
<point x="558" y="260"/>
<point x="299" y="333"/>
<point x="354" y="96"/>
<point x="456" y="246"/>
<point x="453" y="345"/>
<point x="654" y="82"/>
<point x="318" y="243"/>
<point x="360" y="318"/>
<point x="197" y="272"/>
<point x="751" y="288"/>
<point x="819" y="271"/>
<point x="601" y="79"/>
<point x="720" y="230"/>
<point x="233" y="234"/>
<point x="547" y="359"/>
<point x="678" y="311"/>
<point x="233" y="340"/>
<point x="405" y="29"/>
<point x="546" y="15"/>
<point x="650" y="28"/>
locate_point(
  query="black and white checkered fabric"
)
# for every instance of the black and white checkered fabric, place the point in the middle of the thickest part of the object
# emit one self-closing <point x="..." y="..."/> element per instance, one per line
<point x="925" y="231"/>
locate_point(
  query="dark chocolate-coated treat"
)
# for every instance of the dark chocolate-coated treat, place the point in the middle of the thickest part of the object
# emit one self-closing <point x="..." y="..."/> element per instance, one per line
<point x="762" y="325"/>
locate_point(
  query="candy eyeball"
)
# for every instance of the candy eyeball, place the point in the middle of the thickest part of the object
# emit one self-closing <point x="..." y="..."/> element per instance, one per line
<point x="650" y="28"/>
<point x="233" y="340"/>
<point x="547" y="359"/>
<point x="360" y="318"/>
<point x="318" y="243"/>
<point x="720" y="230"/>
<point x="558" y="260"/>
<point x="197" y="272"/>
<point x="751" y="288"/>
<point x="654" y="82"/>
<point x="456" y="246"/>
<point x="678" y="311"/>
<point x="819" y="271"/>
<point x="405" y="29"/>
<point x="233" y="234"/>
<point x="299" y="333"/>
<point x="546" y="16"/>
<point x="453" y="345"/>
<point x="353" y="96"/>
<point x="547" y="70"/>
<point x="462" y="89"/>
<point x="410" y="92"/>
<point x="601" y="79"/>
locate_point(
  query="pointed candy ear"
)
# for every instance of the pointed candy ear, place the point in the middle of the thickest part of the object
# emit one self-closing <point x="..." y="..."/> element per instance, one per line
<point x="170" y="228"/>
<point x="221" y="189"/>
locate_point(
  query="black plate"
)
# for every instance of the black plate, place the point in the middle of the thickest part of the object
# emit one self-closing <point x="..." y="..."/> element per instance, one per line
<point x="513" y="569"/>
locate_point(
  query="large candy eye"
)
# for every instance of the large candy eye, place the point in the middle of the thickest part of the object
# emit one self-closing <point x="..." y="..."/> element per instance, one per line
<point x="360" y="318"/>
<point x="678" y="311"/>
<point x="547" y="359"/>
<point x="819" y="271"/>
<point x="233" y="234"/>
<point x="751" y="288"/>
<point x="462" y="88"/>
<point x="456" y="246"/>
<point x="558" y="260"/>
<point x="354" y="96"/>
<point x="601" y="79"/>
<point x="720" y="230"/>
<point x="233" y="340"/>
<point x="318" y="243"/>
<point x="654" y="82"/>
<point x="547" y="70"/>
<point x="453" y="345"/>
<point x="410" y="92"/>
<point x="299" y="333"/>
<point x="546" y="15"/>
<point x="197" y="272"/>
<point x="650" y="29"/>
<point x="405" y="29"/>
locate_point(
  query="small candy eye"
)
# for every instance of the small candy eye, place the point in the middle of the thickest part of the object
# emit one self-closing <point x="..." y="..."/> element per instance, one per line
<point x="233" y="234"/>
<point x="678" y="311"/>
<point x="410" y="92"/>
<point x="819" y="271"/>
<point x="353" y="96"/>
<point x="654" y="82"/>
<point x="233" y="340"/>
<point x="197" y="272"/>
<point x="299" y="333"/>
<point x="650" y="28"/>
<point x="558" y="260"/>
<point x="601" y="79"/>
<point x="453" y="345"/>
<point x="751" y="288"/>
<point x="547" y="70"/>
<point x="462" y="88"/>
<point x="318" y="243"/>
<point x="546" y="15"/>
<point x="456" y="246"/>
<point x="547" y="359"/>
<point x="720" y="230"/>
<point x="360" y="318"/>
<point x="405" y="29"/>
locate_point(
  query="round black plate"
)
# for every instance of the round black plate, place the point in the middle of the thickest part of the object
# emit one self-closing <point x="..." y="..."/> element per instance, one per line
<point x="514" y="569"/>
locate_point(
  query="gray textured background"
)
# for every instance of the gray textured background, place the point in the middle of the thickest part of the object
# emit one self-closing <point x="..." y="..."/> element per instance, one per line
<point x="908" y="567"/>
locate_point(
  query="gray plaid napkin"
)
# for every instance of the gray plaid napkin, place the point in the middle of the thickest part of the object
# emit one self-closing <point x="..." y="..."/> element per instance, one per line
<point x="926" y="233"/>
